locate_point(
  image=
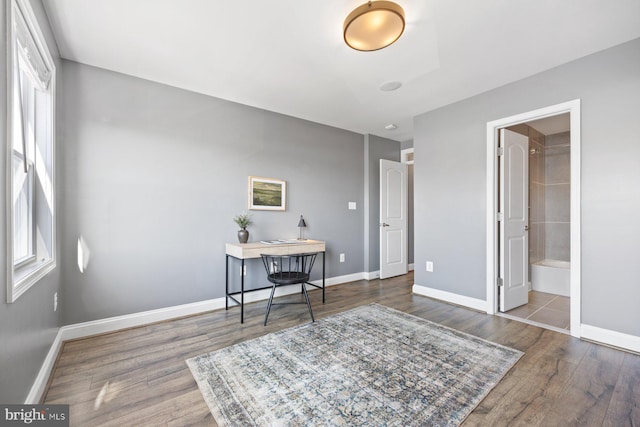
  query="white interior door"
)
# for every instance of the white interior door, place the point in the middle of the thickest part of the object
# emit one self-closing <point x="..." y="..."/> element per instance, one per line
<point x="393" y="219"/>
<point x="514" y="225"/>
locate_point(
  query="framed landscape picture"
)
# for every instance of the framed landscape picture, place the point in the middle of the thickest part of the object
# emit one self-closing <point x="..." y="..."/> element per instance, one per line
<point x="267" y="194"/>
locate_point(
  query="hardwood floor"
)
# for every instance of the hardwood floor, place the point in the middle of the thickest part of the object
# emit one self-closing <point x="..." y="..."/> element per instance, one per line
<point x="138" y="377"/>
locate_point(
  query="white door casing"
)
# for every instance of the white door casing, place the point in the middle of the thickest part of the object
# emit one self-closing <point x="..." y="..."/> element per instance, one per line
<point x="573" y="107"/>
<point x="514" y="223"/>
<point x="393" y="219"/>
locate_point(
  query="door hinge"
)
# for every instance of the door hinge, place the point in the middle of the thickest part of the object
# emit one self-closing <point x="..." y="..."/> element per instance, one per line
<point x="500" y="216"/>
<point x="500" y="151"/>
<point x="500" y="282"/>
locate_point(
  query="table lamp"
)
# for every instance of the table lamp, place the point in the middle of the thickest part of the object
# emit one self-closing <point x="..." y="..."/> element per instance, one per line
<point x="301" y="225"/>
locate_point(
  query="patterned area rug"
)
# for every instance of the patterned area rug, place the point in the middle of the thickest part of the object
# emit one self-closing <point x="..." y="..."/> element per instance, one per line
<point x="370" y="366"/>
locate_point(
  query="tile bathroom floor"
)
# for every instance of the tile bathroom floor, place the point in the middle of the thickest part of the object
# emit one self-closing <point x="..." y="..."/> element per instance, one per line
<point x="545" y="308"/>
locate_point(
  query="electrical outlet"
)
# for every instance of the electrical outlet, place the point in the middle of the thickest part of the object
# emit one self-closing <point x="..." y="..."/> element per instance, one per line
<point x="430" y="266"/>
<point x="341" y="257"/>
<point x="352" y="206"/>
<point x="55" y="301"/>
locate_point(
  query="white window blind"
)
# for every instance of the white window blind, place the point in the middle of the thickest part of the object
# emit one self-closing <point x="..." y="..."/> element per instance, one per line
<point x="28" y="52"/>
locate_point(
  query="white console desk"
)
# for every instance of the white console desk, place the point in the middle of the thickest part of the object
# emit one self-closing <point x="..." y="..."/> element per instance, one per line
<point x="244" y="251"/>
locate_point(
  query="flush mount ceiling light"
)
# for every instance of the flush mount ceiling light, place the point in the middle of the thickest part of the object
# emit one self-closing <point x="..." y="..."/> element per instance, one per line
<point x="374" y="25"/>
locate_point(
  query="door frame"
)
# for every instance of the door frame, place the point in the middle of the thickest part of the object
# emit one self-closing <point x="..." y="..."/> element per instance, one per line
<point x="572" y="107"/>
<point x="409" y="161"/>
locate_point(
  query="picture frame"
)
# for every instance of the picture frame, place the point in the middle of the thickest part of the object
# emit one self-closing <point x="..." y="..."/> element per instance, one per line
<point x="267" y="194"/>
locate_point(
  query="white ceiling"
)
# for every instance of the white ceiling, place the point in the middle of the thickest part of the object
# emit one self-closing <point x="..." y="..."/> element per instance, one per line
<point x="288" y="56"/>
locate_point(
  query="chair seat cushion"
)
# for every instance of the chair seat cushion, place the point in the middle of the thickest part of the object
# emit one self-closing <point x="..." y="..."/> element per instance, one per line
<point x="288" y="278"/>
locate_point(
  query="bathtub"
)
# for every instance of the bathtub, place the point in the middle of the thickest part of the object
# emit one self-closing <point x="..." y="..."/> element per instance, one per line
<point x="551" y="276"/>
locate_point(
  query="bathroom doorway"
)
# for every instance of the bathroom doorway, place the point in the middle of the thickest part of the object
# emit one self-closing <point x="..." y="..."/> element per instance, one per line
<point x="547" y="231"/>
<point x="534" y="199"/>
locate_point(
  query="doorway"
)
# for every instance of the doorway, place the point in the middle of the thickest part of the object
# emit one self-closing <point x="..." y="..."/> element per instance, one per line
<point x="516" y="223"/>
<point x="393" y="219"/>
<point x="534" y="189"/>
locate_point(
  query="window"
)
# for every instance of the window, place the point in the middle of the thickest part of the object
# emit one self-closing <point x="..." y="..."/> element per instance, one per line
<point x="31" y="224"/>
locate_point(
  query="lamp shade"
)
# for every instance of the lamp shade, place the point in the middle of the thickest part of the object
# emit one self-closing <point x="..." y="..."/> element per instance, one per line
<point x="374" y="25"/>
<point x="301" y="223"/>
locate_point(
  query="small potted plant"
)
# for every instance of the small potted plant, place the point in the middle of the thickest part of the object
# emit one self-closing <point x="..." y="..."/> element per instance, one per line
<point x="243" y="220"/>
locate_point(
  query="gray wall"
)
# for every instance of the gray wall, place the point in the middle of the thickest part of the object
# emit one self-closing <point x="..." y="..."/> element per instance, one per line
<point x="378" y="148"/>
<point x="155" y="174"/>
<point x="450" y="179"/>
<point x="29" y="325"/>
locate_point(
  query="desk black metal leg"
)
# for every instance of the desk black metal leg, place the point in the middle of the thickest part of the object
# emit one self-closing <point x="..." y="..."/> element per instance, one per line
<point x="226" y="281"/>
<point x="242" y="292"/>
<point x="324" y="254"/>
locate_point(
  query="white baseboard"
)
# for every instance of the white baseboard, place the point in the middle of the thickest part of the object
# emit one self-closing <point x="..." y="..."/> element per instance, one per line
<point x="37" y="389"/>
<point x="111" y="324"/>
<point x="588" y="332"/>
<point x="474" y="303"/>
<point x="372" y="275"/>
<point x="609" y="337"/>
<point x="338" y="280"/>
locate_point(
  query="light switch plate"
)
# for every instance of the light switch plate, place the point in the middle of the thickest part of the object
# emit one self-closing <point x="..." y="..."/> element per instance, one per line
<point x="352" y="206"/>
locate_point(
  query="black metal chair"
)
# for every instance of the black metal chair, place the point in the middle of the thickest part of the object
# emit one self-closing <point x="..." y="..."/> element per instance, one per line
<point x="289" y="270"/>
